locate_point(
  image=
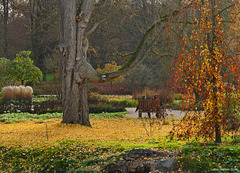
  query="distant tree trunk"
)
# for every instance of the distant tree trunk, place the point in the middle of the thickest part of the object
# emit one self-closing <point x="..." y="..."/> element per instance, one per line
<point x="111" y="88"/>
<point x="36" y="32"/>
<point x="5" y="27"/>
<point x="39" y="26"/>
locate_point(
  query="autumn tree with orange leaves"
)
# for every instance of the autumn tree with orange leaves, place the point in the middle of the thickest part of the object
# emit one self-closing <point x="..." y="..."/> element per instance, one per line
<point x="205" y="70"/>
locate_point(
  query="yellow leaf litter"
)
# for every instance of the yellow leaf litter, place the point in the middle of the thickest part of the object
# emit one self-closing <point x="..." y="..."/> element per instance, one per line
<point x="31" y="132"/>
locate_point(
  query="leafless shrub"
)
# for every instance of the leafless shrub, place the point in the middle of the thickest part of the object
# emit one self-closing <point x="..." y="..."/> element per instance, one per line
<point x="17" y="93"/>
<point x="8" y="93"/>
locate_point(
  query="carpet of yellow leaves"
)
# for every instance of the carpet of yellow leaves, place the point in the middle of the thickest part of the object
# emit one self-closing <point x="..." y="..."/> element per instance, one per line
<point x="30" y="133"/>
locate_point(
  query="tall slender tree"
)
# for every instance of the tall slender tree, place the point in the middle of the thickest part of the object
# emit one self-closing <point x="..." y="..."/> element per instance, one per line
<point x="203" y="69"/>
<point x="43" y="30"/>
<point x="4" y="44"/>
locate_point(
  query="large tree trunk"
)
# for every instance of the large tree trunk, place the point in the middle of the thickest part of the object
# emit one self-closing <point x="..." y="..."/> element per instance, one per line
<point x="73" y="47"/>
<point x="70" y="90"/>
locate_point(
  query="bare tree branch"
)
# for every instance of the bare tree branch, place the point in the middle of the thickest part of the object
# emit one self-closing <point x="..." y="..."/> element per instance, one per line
<point x="99" y="23"/>
<point x="125" y="55"/>
<point x="161" y="55"/>
<point x="231" y="49"/>
<point x="224" y="9"/>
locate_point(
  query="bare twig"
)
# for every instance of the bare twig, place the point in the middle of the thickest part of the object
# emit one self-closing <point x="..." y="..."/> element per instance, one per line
<point x="46" y="132"/>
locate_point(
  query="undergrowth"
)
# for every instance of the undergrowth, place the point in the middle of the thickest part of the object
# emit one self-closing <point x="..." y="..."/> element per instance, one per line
<point x="211" y="158"/>
<point x="19" y="117"/>
<point x="60" y="157"/>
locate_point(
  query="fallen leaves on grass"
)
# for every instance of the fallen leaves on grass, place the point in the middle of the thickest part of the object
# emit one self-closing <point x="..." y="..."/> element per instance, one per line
<point x="29" y="133"/>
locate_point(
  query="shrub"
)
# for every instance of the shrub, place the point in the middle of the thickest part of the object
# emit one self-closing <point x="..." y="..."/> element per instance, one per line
<point x="100" y="108"/>
<point x="16" y="98"/>
<point x="46" y="88"/>
<point x="166" y="96"/>
<point x="94" y="89"/>
<point x="44" y="111"/>
<point x="178" y="96"/>
<point x="48" y="106"/>
<point x="21" y="69"/>
<point x="17" y="117"/>
<point x="210" y="158"/>
<point x="123" y="102"/>
<point x="56" y="106"/>
<point x="7" y="94"/>
<point x="108" y="115"/>
<point x="232" y="112"/>
<point x="147" y="92"/>
<point x="177" y="105"/>
<point x="94" y="97"/>
<point x="108" y="88"/>
<point x="17" y="93"/>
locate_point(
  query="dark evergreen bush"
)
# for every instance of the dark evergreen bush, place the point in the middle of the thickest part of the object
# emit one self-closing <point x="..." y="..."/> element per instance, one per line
<point x="105" y="108"/>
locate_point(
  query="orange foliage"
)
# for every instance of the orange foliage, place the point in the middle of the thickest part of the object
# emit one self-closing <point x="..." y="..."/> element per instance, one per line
<point x="202" y="69"/>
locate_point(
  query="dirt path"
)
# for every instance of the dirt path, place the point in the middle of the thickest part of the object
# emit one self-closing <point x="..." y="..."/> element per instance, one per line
<point x="177" y="114"/>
